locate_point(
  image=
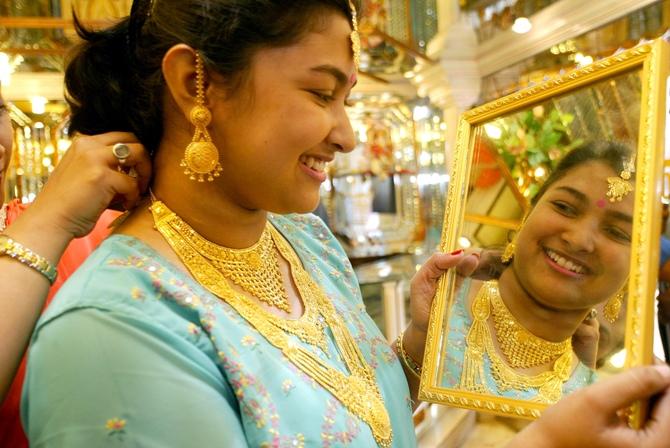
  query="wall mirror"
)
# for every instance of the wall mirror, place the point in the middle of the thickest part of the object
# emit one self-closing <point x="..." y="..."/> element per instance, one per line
<point x="566" y="178"/>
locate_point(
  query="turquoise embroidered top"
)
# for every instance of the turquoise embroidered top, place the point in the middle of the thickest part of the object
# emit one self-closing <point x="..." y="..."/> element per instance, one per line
<point x="460" y="321"/>
<point x="133" y="352"/>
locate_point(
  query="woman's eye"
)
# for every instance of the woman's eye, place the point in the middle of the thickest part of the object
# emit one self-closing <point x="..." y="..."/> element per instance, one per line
<point x="325" y="97"/>
<point x="564" y="208"/>
<point x="618" y="234"/>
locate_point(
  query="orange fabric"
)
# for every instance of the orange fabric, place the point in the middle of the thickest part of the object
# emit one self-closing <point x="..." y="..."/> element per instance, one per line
<point x="11" y="431"/>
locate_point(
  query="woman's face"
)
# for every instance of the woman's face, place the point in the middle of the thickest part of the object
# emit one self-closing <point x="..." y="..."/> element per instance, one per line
<point x="574" y="250"/>
<point x="279" y="130"/>
<point x="5" y="145"/>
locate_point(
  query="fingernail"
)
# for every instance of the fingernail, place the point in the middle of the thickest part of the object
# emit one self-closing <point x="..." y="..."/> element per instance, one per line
<point x="664" y="370"/>
<point x="456" y="252"/>
<point x="476" y="254"/>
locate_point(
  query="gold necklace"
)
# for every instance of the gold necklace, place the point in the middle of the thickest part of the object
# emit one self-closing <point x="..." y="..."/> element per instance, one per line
<point x="479" y="342"/>
<point x="254" y="269"/>
<point x="521" y="347"/>
<point x="358" y="391"/>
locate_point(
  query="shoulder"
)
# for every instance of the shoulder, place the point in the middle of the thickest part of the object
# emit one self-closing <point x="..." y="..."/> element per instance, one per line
<point x="123" y="276"/>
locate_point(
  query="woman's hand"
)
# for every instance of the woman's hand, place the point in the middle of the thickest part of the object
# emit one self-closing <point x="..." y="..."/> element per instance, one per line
<point x="423" y="287"/>
<point x="87" y="181"/>
<point x="585" y="341"/>
<point x="590" y="417"/>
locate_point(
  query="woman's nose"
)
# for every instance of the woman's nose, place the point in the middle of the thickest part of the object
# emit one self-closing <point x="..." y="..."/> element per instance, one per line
<point x="580" y="236"/>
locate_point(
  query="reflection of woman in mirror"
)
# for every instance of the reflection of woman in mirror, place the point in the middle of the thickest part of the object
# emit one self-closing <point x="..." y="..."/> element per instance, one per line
<point x="513" y="336"/>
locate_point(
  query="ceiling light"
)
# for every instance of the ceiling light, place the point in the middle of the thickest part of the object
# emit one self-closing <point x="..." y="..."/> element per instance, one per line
<point x="522" y="25"/>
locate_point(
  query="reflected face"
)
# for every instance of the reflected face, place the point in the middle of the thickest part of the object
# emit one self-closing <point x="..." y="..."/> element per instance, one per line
<point x="5" y="144"/>
<point x="281" y="128"/>
<point x="573" y="252"/>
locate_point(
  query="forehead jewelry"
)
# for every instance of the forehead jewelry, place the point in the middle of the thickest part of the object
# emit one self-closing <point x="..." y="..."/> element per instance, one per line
<point x="619" y="187"/>
<point x="355" y="37"/>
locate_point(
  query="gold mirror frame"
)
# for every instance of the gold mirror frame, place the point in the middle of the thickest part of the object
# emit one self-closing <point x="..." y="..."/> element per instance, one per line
<point x="652" y="61"/>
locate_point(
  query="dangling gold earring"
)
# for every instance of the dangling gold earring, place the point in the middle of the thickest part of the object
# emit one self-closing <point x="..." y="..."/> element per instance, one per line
<point x="613" y="307"/>
<point x="508" y="253"/>
<point x="201" y="157"/>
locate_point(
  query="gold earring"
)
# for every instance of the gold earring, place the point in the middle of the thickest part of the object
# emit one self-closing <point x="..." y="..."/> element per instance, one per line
<point x="201" y="158"/>
<point x="508" y="253"/>
<point x="613" y="307"/>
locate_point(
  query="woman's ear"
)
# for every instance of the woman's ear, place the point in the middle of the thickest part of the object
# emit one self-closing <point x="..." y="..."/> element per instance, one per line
<point x="180" y="76"/>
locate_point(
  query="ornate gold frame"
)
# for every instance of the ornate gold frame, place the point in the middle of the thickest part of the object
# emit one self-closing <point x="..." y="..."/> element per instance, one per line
<point x="652" y="60"/>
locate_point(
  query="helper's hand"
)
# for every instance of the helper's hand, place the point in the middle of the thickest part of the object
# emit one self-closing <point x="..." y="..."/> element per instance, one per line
<point x="591" y="417"/>
<point x="87" y="181"/>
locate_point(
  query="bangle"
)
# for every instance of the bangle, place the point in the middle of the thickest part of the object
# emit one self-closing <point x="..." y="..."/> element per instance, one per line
<point x="407" y="360"/>
<point x="26" y="256"/>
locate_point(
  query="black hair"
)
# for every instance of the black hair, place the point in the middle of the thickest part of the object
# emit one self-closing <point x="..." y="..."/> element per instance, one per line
<point x="114" y="81"/>
<point x="613" y="154"/>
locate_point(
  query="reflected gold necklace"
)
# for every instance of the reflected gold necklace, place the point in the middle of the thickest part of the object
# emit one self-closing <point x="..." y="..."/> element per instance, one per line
<point x="358" y="391"/>
<point x="521" y="347"/>
<point x="480" y="342"/>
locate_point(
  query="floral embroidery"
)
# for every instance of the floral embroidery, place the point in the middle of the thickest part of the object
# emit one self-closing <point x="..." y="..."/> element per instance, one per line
<point x="137" y="294"/>
<point x="193" y="329"/>
<point x="343" y="437"/>
<point x="115" y="425"/>
<point x="249" y="341"/>
<point x="143" y="263"/>
<point x="287" y="386"/>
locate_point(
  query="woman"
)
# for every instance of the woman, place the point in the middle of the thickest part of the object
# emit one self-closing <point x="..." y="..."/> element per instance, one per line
<point x="213" y="320"/>
<point x="514" y="336"/>
<point x="66" y="209"/>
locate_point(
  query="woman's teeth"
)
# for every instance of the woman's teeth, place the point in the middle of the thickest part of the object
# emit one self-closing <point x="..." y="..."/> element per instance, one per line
<point x="315" y="164"/>
<point x="567" y="264"/>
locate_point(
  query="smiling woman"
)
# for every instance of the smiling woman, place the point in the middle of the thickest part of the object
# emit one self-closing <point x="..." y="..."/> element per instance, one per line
<point x="514" y="336"/>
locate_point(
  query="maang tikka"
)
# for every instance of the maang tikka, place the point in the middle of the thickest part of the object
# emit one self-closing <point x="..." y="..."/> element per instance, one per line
<point x="355" y="36"/>
<point x="201" y="158"/>
<point x="619" y="187"/>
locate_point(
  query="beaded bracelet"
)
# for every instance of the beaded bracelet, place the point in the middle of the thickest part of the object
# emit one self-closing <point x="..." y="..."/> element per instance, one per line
<point x="407" y="360"/>
<point x="26" y="256"/>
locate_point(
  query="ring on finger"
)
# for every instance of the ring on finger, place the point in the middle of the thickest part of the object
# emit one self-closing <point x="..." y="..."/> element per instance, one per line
<point x="121" y="151"/>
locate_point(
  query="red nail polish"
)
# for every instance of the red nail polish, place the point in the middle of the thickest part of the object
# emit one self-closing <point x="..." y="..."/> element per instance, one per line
<point x="456" y="252"/>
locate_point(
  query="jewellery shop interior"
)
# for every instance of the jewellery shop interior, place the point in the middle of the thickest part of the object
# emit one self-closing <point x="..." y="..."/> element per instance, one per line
<point x="423" y="63"/>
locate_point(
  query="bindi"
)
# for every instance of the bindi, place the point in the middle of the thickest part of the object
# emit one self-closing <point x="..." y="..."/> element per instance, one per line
<point x="601" y="203"/>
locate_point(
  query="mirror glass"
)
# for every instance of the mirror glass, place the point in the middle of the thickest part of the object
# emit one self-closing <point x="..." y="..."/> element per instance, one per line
<point x="553" y="187"/>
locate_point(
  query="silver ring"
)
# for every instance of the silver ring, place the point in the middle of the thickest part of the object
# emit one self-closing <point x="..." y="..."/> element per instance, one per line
<point x="121" y="151"/>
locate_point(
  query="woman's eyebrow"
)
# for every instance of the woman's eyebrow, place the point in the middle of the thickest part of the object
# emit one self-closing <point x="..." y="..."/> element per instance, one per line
<point x="581" y="197"/>
<point x="335" y="72"/>
<point x="620" y="216"/>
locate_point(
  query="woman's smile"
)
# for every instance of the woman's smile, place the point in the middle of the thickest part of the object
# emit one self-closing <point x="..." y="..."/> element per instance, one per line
<point x="565" y="265"/>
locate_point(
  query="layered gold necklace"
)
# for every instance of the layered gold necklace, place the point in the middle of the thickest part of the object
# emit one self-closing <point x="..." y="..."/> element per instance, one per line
<point x="479" y="341"/>
<point x="358" y="391"/>
<point x="254" y="269"/>
<point x="521" y="348"/>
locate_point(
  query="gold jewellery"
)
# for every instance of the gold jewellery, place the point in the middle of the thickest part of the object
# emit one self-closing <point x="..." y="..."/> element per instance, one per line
<point x="201" y="158"/>
<point x="254" y="269"/>
<point x="479" y="341"/>
<point x="619" y="187"/>
<point x="613" y="306"/>
<point x="355" y="36"/>
<point x="358" y="391"/>
<point x="17" y="251"/>
<point x="521" y="347"/>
